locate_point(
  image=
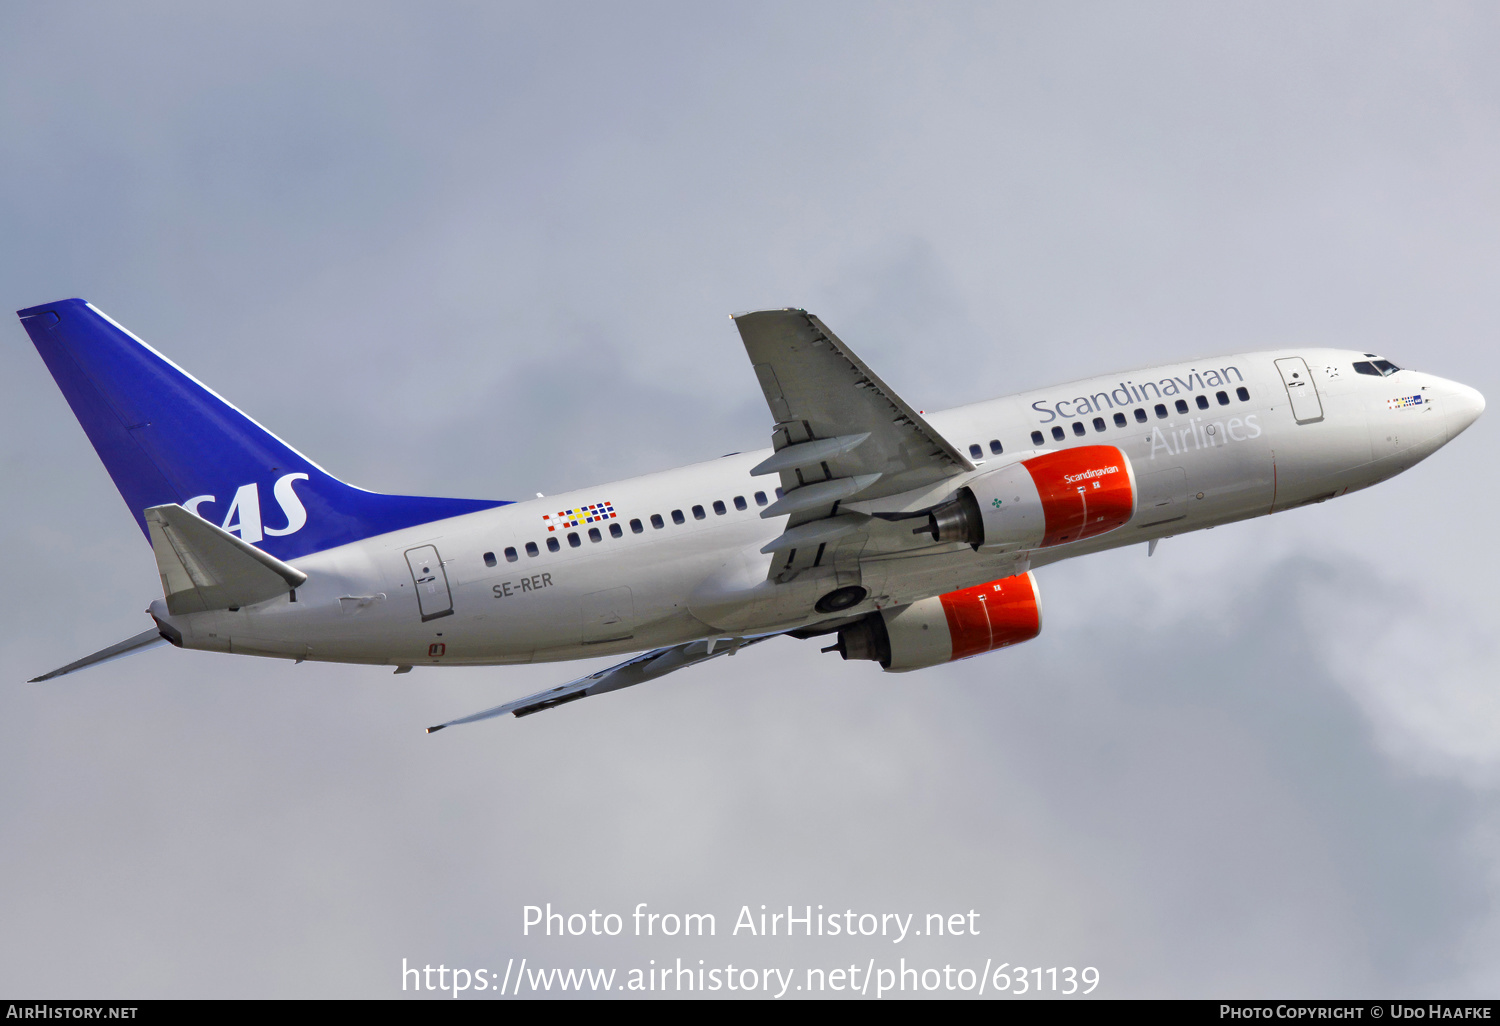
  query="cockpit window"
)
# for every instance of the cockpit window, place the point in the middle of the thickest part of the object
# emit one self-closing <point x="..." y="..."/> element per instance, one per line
<point x="1379" y="368"/>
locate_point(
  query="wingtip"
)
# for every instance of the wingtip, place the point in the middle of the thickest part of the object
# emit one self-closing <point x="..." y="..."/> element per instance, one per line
<point x="434" y="730"/>
<point x="736" y="315"/>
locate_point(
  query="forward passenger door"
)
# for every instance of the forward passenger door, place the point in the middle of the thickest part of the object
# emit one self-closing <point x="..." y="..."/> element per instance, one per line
<point x="1306" y="406"/>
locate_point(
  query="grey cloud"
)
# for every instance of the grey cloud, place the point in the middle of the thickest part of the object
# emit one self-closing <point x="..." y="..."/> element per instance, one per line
<point x="1195" y="812"/>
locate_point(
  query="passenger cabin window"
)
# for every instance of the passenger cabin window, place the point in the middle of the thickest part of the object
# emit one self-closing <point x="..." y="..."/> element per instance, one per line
<point x="719" y="508"/>
<point x="778" y="493"/>
<point x="677" y="517"/>
<point x="1140" y="415"/>
<point x="1037" y="438"/>
<point x="1223" y="398"/>
<point x="553" y="545"/>
<point x="1181" y="405"/>
<point x="739" y="502"/>
<point x="489" y="559"/>
<point x="1243" y="393"/>
<point x="1366" y="367"/>
<point x="532" y="550"/>
<point x="1057" y="433"/>
<point x="1119" y="420"/>
<point x="594" y="535"/>
<point x="995" y="447"/>
<point x="760" y="498"/>
<point x="975" y="451"/>
<point x="574" y="540"/>
<point x="1203" y="402"/>
<point x="657" y="522"/>
<point x="1078" y="428"/>
<point x="636" y="527"/>
<point x="1098" y="423"/>
<point x="698" y="513"/>
<point x="1161" y="411"/>
<point x="511" y="555"/>
<point x="615" y="531"/>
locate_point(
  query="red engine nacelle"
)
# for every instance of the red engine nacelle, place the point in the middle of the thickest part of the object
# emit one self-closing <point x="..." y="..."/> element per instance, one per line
<point x="1051" y="499"/>
<point x="947" y="627"/>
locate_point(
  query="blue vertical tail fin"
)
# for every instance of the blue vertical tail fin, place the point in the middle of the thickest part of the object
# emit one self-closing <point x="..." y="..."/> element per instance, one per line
<point x="166" y="438"/>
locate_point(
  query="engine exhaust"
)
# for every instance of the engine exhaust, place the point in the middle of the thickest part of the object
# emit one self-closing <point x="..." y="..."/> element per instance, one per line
<point x="864" y="639"/>
<point x="957" y="520"/>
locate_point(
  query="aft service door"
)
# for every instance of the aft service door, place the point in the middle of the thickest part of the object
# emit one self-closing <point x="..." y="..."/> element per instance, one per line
<point x="1306" y="406"/>
<point x="431" y="580"/>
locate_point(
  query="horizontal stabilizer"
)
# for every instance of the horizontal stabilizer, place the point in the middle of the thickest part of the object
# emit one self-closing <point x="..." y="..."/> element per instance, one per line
<point x="205" y="567"/>
<point x="647" y="666"/>
<point x="139" y="643"/>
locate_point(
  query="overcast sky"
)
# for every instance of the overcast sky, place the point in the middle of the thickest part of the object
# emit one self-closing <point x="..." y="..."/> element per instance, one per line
<point x="489" y="250"/>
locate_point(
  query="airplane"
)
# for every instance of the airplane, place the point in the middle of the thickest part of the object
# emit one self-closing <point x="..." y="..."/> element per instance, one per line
<point x="909" y="539"/>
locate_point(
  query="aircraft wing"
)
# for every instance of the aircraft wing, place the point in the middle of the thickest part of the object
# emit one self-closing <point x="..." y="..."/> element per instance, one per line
<point x="647" y="666"/>
<point x="841" y="433"/>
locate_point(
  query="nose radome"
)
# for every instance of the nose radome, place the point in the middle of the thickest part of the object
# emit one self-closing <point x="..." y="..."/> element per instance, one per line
<point x="1464" y="404"/>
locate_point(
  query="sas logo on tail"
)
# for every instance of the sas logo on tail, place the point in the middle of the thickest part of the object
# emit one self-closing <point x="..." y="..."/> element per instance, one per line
<point x="244" y="510"/>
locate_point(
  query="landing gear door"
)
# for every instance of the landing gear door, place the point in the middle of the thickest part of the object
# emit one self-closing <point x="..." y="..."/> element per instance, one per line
<point x="1306" y="406"/>
<point x="431" y="580"/>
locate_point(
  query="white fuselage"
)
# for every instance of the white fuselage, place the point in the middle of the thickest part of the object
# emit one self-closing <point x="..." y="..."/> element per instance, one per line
<point x="706" y="577"/>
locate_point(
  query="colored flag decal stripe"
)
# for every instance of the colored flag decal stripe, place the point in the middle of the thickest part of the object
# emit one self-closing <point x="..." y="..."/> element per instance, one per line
<point x="593" y="513"/>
